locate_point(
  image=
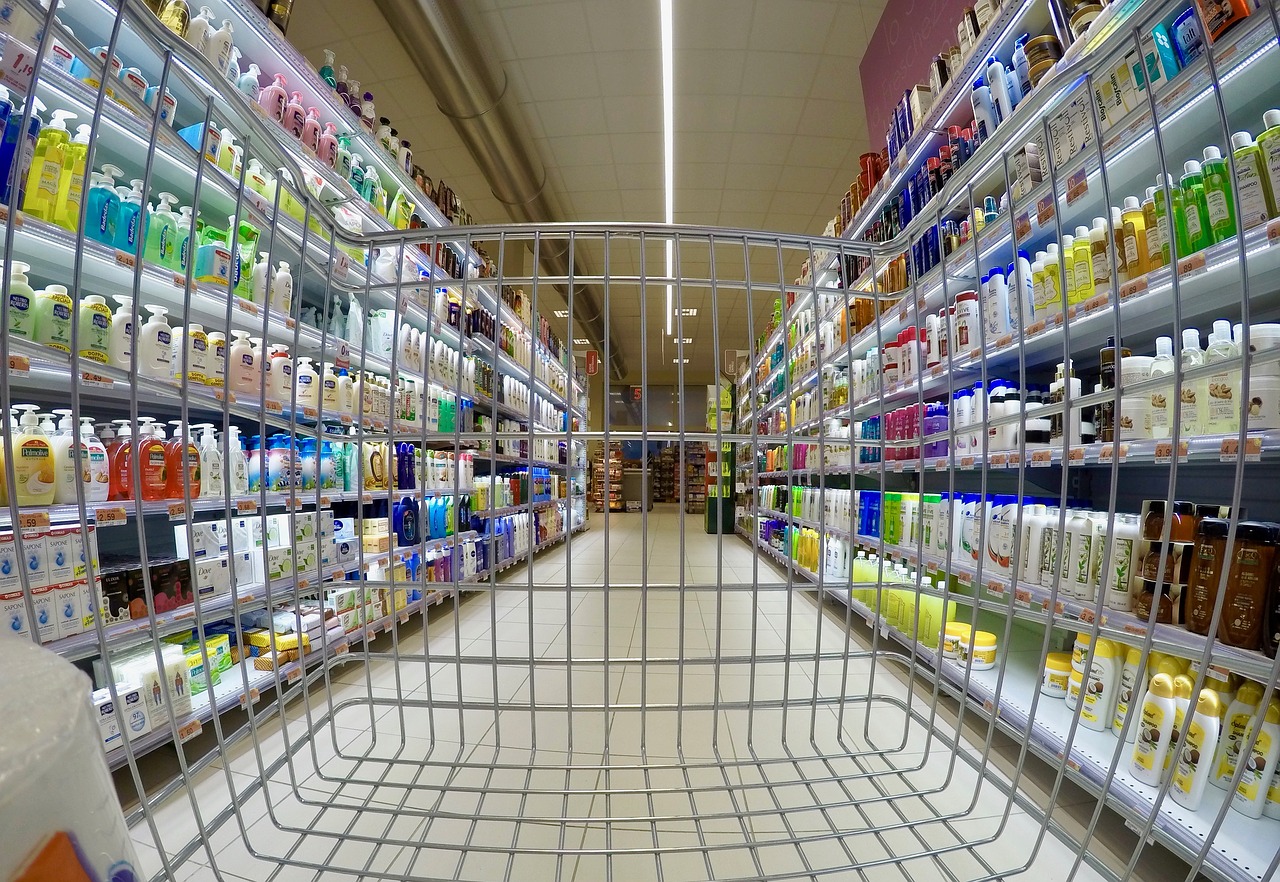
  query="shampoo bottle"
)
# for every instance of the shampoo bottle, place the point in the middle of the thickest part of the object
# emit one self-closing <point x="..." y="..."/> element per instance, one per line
<point x="1134" y="237"/>
<point x="327" y="145"/>
<point x="1217" y="194"/>
<point x="198" y="30"/>
<point x="217" y="48"/>
<point x="1156" y="730"/>
<point x="1251" y="791"/>
<point x="294" y="118"/>
<point x="1220" y="410"/>
<point x="311" y="131"/>
<point x="247" y="83"/>
<point x="1162" y="396"/>
<point x="41" y="194"/>
<point x="1243" y="708"/>
<point x="1255" y="198"/>
<point x="1194" y="763"/>
<point x="1155" y="248"/>
<point x="1195" y="208"/>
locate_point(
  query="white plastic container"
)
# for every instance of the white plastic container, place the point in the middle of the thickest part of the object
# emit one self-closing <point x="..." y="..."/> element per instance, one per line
<point x="1155" y="732"/>
<point x="1251" y="793"/>
<point x="1194" y="762"/>
<point x="155" y="344"/>
<point x="308" y="382"/>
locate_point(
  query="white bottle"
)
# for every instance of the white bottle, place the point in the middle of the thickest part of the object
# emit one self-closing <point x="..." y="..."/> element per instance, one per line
<point x="243" y="371"/>
<point x="1077" y="554"/>
<point x="1162" y="396"/>
<point x="95" y="461"/>
<point x="998" y="81"/>
<point x="279" y="371"/>
<point x="1156" y="730"/>
<point x="155" y="344"/>
<point x="210" y="461"/>
<point x="120" y="339"/>
<point x="1194" y="762"/>
<point x="237" y="464"/>
<point x="1251" y="793"/>
<point x="62" y="440"/>
<point x="1243" y="708"/>
<point x="355" y="323"/>
<point x="1222" y="416"/>
<point x="198" y="29"/>
<point x="1193" y="391"/>
<point x="346" y="396"/>
<point x="281" y="296"/>
<point x="217" y="46"/>
<point x="1129" y="693"/>
<point x="216" y="360"/>
<point x="308" y="384"/>
<point x="329" y="391"/>
<point x="260" y="280"/>
<point x="195" y="342"/>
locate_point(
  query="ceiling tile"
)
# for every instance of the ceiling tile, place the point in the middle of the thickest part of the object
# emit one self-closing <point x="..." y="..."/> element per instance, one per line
<point x="572" y="117"/>
<point x="560" y="76"/>
<point x="633" y="113"/>
<point x="589" y="178"/>
<point x="546" y="29"/>
<point x="623" y="24"/>
<point x="631" y="72"/>
<point x="712" y="25"/>
<point x="639" y="206"/>
<point x="704" y="113"/>
<point x="708" y="72"/>
<point x="579" y="150"/>
<point x="759" y="148"/>
<point x="811" y="151"/>
<point x="788" y="74"/>
<point x="703" y="147"/>
<point x="696" y="175"/>
<point x="641" y="147"/>
<point x="751" y="176"/>
<point x="763" y="114"/>
<point x="791" y="23"/>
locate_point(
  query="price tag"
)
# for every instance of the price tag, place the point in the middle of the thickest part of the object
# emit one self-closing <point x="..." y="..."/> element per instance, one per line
<point x="289" y="323"/>
<point x="1136" y="630"/>
<point x="1130" y="288"/>
<point x="1164" y="452"/>
<point x="1041" y="458"/>
<point x="965" y="579"/>
<point x="345" y="419"/>
<point x="1022" y="226"/>
<point x="111" y="516"/>
<point x="1059" y="608"/>
<point x="995" y="587"/>
<point x="1230" y="450"/>
<point x="224" y="395"/>
<point x="897" y="466"/>
<point x="1015" y="459"/>
<point x="1191" y="266"/>
<point x="1075" y="454"/>
<point x="246" y="306"/>
<point x="1273" y="232"/>
<point x="1057" y="319"/>
<point x="974" y="354"/>
<point x="327" y="502"/>
<point x="341" y="266"/>
<point x="177" y="511"/>
<point x="189" y="730"/>
<point x="33" y="520"/>
<point x="310" y="413"/>
<point x="246" y="506"/>
<point x="248" y="698"/>
<point x="1044" y="209"/>
<point x="179" y="280"/>
<point x="337" y="576"/>
<point x="1077" y="186"/>
<point x="1035" y="328"/>
<point x="999" y="460"/>
<point x="4" y="214"/>
<point x="937" y="370"/>
<point x="966" y="462"/>
<point x="1097" y="301"/>
<point x="940" y="465"/>
<point x="371" y="634"/>
<point x="19" y="365"/>
<point x="1087" y="616"/>
<point x="1022" y="597"/>
<point x="403" y="618"/>
<point x="270" y="405"/>
<point x="1003" y="341"/>
<point x="96" y="380"/>
<point x="341" y="648"/>
<point x="294" y="675"/>
<point x="125" y="259"/>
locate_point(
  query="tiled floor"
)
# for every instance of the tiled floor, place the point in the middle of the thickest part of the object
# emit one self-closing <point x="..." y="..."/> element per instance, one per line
<point x="667" y="735"/>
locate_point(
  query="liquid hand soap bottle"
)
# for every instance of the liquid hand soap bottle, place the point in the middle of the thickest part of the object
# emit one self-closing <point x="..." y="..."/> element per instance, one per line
<point x="103" y="215"/>
<point x="273" y="98"/>
<point x="162" y="232"/>
<point x="129" y="224"/>
<point x="326" y="69"/>
<point x="41" y="195"/>
<point x="247" y="83"/>
<point x="71" y="180"/>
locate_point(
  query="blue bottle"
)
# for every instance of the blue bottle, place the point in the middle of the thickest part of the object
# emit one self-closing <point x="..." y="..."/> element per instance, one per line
<point x="130" y="222"/>
<point x="102" y="214"/>
<point x="404" y="521"/>
<point x="9" y="150"/>
<point x="404" y="466"/>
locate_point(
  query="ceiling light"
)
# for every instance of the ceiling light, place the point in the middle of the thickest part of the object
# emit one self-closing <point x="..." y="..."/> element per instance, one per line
<point x="679" y="361"/>
<point x="668" y="134"/>
<point x="581" y="341"/>
<point x="689" y="311"/>
<point x="562" y="313"/>
<point x="686" y="340"/>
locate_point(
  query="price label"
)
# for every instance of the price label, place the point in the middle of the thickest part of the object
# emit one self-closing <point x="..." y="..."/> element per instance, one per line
<point x="19" y="365"/>
<point x="294" y="502"/>
<point x="1015" y="459"/>
<point x="1191" y="266"/>
<point x="345" y="419"/>
<point x="1075" y="454"/>
<point x="1230" y="450"/>
<point x="1136" y="630"/>
<point x="1077" y="186"/>
<point x="966" y="462"/>
<point x="33" y="520"/>
<point x="96" y="380"/>
<point x="327" y="502"/>
<point x="1022" y="597"/>
<point x="246" y="506"/>
<point x="4" y="212"/>
<point x="965" y="579"/>
<point x="1044" y="209"/>
<point x="341" y="266"/>
<point x="1097" y="301"/>
<point x="1164" y="452"/>
<point x="1022" y="226"/>
<point x="974" y="354"/>
<point x="294" y="675"/>
<point x="1057" y="319"/>
<point x="224" y="395"/>
<point x="403" y="618"/>
<point x="937" y="370"/>
<point x="995" y="587"/>
<point x="126" y="260"/>
<point x="270" y="405"/>
<point x="940" y="465"/>
<point x="1003" y="341"/>
<point x="1273" y="232"/>
<point x="289" y="323"/>
<point x="1035" y="328"/>
<point x="310" y="413"/>
<point x="247" y="306"/>
<point x="177" y="511"/>
<point x="1136" y="286"/>
<point x="1041" y="458"/>
<point x="341" y="648"/>
<point x="337" y="576"/>
<point x="1059" y="608"/>
<point x="1087" y="616"/>
<point x="111" y="516"/>
<point x="371" y="634"/>
<point x="250" y="697"/>
<point x="998" y="460"/>
<point x="189" y="730"/>
<point x="179" y="280"/>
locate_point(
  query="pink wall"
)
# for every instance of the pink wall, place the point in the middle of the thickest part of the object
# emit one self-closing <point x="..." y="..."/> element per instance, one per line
<point x="910" y="33"/>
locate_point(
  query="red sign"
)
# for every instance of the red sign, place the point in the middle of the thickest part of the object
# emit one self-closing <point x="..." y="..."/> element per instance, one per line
<point x="593" y="362"/>
<point x="637" y="393"/>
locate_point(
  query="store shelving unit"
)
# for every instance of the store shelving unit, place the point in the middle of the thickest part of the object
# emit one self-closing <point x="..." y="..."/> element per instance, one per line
<point x="612" y="461"/>
<point x="316" y="222"/>
<point x="789" y="368"/>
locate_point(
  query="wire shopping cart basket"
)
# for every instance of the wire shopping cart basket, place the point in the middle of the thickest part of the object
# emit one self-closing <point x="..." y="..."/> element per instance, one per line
<point x="870" y="638"/>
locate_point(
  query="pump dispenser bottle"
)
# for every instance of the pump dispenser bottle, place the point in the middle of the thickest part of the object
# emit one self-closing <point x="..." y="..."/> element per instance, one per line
<point x="71" y="180"/>
<point x="98" y="475"/>
<point x="32" y="455"/>
<point x="1193" y="392"/>
<point x="1220" y="203"/>
<point x="1195" y="208"/>
<point x="22" y="301"/>
<point x="1221" y="410"/>
<point x="155" y="343"/>
<point x="129" y="223"/>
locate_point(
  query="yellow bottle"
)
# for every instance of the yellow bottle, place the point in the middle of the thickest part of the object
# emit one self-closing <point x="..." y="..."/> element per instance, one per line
<point x="1155" y="252"/>
<point x="1083" y="266"/>
<point x="1052" y="282"/>
<point x="1069" y="268"/>
<point x="46" y="168"/>
<point x="33" y="472"/>
<point x="66" y="212"/>
<point x="1182" y="686"/>
<point x="1134" y="237"/>
<point x="1100" y="254"/>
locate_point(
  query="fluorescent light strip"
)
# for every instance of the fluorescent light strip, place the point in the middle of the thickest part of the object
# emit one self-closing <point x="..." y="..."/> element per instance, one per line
<point x="668" y="135"/>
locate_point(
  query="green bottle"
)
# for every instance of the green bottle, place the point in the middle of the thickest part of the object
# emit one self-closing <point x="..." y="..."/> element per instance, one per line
<point x="1217" y="195"/>
<point x="1255" y="200"/>
<point x="1170" y="229"/>
<point x="1195" y="209"/>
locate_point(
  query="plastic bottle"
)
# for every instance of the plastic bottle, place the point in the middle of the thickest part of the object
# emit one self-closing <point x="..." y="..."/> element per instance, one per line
<point x="1235" y="722"/>
<point x="1170" y="233"/>
<point x="342" y="163"/>
<point x="9" y="153"/>
<point x="1194" y="763"/>
<point x="294" y="118"/>
<point x="1217" y="194"/>
<point x="242" y="373"/>
<point x="984" y="110"/>
<point x="198" y="30"/>
<point x="1021" y="65"/>
<point x="180" y="256"/>
<point x="192" y="342"/>
<point x="237" y="464"/>
<point x="129" y="223"/>
<point x="1129" y="692"/>
<point x="22" y="301"/>
<point x="311" y="131"/>
<point x="32" y="458"/>
<point x="1198" y="231"/>
<point x="1193" y="392"/>
<point x="281" y="293"/>
<point x="218" y="45"/>
<point x="71" y="180"/>
<point x="327" y="145"/>
<point x="1156" y="730"/>
<point x="1082" y="265"/>
<point x="356" y="176"/>
<point x="308" y="383"/>
<point x="260" y="278"/>
<point x="1268" y="144"/>
<point x="61" y="442"/>
<point x="247" y="83"/>
<point x="52" y="318"/>
<point x="279" y="372"/>
<point x="1133" y="237"/>
<point x="1255" y="197"/>
<point x="1220" y="409"/>
<point x="162" y="232"/>
<point x="1099" y="255"/>
<point x="273" y="98"/>
<point x="97" y="485"/>
<point x="94" y="337"/>
<point x="1155" y="248"/>
<point x="155" y="344"/>
<point x="1162" y="396"/>
<point x="1251" y="792"/>
<point x="211" y="477"/>
<point x="998" y="81"/>
<point x="368" y="115"/>
<point x="176" y="16"/>
<point x="41" y="194"/>
<point x="216" y="360"/>
<point x="181" y="454"/>
<point x="326" y="69"/>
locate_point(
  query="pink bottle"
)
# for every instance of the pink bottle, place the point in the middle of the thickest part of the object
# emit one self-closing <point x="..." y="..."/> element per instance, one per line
<point x="311" y="131"/>
<point x="327" y="145"/>
<point x="272" y="98"/>
<point x="294" y="119"/>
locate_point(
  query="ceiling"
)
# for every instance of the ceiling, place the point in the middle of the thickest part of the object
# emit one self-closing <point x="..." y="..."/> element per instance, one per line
<point x="769" y="123"/>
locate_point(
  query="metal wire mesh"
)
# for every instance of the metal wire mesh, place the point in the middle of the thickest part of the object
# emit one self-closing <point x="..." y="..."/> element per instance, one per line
<point x="644" y="701"/>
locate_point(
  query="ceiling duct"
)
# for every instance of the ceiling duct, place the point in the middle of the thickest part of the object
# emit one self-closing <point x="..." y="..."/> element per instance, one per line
<point x="475" y="98"/>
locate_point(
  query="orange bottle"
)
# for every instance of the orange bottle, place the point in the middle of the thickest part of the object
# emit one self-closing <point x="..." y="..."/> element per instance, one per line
<point x="150" y="454"/>
<point x="174" y="450"/>
<point x="119" y="462"/>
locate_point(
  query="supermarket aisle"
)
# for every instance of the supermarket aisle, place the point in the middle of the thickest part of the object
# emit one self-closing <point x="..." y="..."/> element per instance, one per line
<point x="558" y="762"/>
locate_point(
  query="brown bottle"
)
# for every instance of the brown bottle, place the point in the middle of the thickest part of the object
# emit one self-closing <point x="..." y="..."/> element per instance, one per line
<point x="1107" y="409"/>
<point x="1244" y="609"/>
<point x="1209" y="557"/>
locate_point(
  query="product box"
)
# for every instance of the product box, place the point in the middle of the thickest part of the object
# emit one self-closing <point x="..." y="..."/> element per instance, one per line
<point x="240" y="567"/>
<point x="208" y="539"/>
<point x="273" y="563"/>
<point x="343" y="599"/>
<point x="921" y="99"/>
<point x="325" y="525"/>
<point x="86" y="548"/>
<point x="259" y="639"/>
<point x="245" y="534"/>
<point x="346" y="552"/>
<point x="211" y="576"/>
<point x="61" y="553"/>
<point x="173" y="687"/>
<point x="133" y="714"/>
<point x="67" y="601"/>
<point x="375" y="543"/>
<point x="170" y="584"/>
<point x="196" y="675"/>
<point x="13" y="614"/>
<point x="305" y="557"/>
<point x="113" y="595"/>
<point x="35" y="557"/>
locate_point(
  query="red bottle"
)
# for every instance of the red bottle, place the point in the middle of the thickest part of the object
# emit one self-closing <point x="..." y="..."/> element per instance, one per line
<point x="174" y="450"/>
